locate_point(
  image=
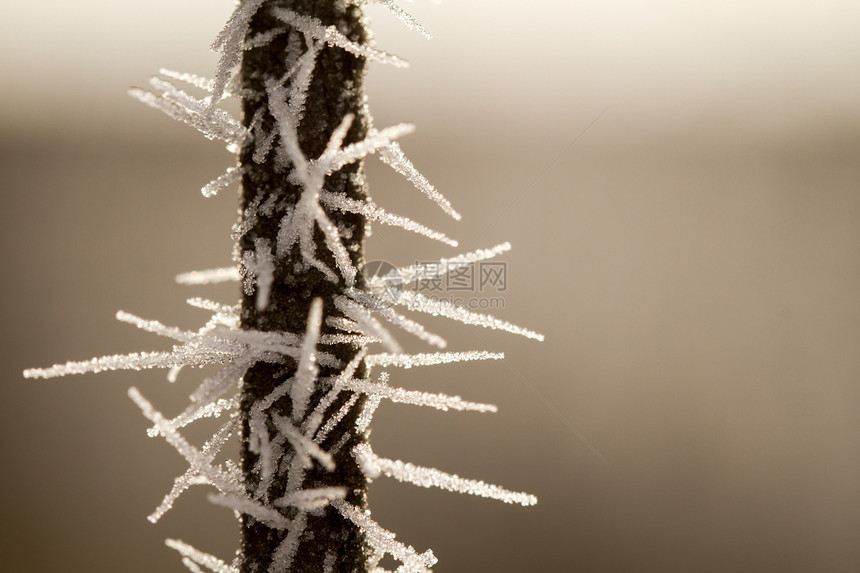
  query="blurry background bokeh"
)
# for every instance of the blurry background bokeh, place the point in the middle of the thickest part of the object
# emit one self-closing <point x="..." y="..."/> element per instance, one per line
<point x="681" y="184"/>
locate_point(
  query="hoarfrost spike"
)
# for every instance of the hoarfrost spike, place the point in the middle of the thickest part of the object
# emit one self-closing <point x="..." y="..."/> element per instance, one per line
<point x="374" y="213"/>
<point x="191" y="565"/>
<point x="229" y="43"/>
<point x="212" y="563"/>
<point x="251" y="507"/>
<point x="416" y="398"/>
<point x="209" y="276"/>
<point x="435" y="307"/>
<point x="200" y="82"/>
<point x="412" y="360"/>
<point x="230" y="176"/>
<point x="384" y="541"/>
<point x="393" y="156"/>
<point x="199" y="461"/>
<point x="421" y="476"/>
<point x="310" y="499"/>
<point x="402" y="15"/>
<point x="331" y="35"/>
<point x="444" y="266"/>
<point x="132" y="361"/>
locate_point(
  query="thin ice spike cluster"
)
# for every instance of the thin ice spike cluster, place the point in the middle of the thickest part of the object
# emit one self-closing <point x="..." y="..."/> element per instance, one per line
<point x="439" y="401"/>
<point x="374" y="213"/>
<point x="401" y="15"/>
<point x="198" y="557"/>
<point x="294" y="444"/>
<point x="419" y="302"/>
<point x="332" y="36"/>
<point x="383" y="541"/>
<point x="212" y="122"/>
<point x="445" y="266"/>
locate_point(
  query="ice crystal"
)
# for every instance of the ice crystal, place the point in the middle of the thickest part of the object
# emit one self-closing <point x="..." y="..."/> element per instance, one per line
<point x="191" y="476"/>
<point x="291" y="443"/>
<point x="200" y="82"/>
<point x="333" y="421"/>
<point x="230" y="43"/>
<point x="259" y="266"/>
<point x="331" y="35"/>
<point x="200" y="462"/>
<point x="421" y="303"/>
<point x="367" y="323"/>
<point x="414" y="397"/>
<point x="214" y="124"/>
<point x="132" y="361"/>
<point x="310" y="499"/>
<point x="429" y="359"/>
<point x="191" y="565"/>
<point x="374" y="466"/>
<point x="367" y="412"/>
<point x="402" y="15"/>
<point x="284" y="555"/>
<point x="374" y="213"/>
<point x="209" y="276"/>
<point x="435" y="269"/>
<point x="232" y="175"/>
<point x="255" y="509"/>
<point x="367" y="302"/>
<point x="196" y="556"/>
<point x="384" y="541"/>
<point x="394" y="156"/>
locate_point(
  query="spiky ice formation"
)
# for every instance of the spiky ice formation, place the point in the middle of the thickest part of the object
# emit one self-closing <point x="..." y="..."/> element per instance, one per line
<point x="293" y="358"/>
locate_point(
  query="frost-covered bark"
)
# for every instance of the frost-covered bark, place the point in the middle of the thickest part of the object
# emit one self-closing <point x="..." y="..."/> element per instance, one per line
<point x="334" y="90"/>
<point x="295" y="356"/>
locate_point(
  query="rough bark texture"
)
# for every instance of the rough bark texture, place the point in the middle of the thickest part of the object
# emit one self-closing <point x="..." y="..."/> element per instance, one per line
<point x="335" y="91"/>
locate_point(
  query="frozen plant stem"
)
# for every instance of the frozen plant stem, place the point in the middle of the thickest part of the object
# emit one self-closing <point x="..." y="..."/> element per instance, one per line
<point x="297" y="347"/>
<point x="333" y="92"/>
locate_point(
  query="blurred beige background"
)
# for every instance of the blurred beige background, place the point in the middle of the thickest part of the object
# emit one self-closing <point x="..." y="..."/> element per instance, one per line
<point x="681" y="184"/>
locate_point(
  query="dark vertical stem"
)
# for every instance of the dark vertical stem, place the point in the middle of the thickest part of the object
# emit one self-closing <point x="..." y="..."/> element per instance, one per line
<point x="335" y="90"/>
